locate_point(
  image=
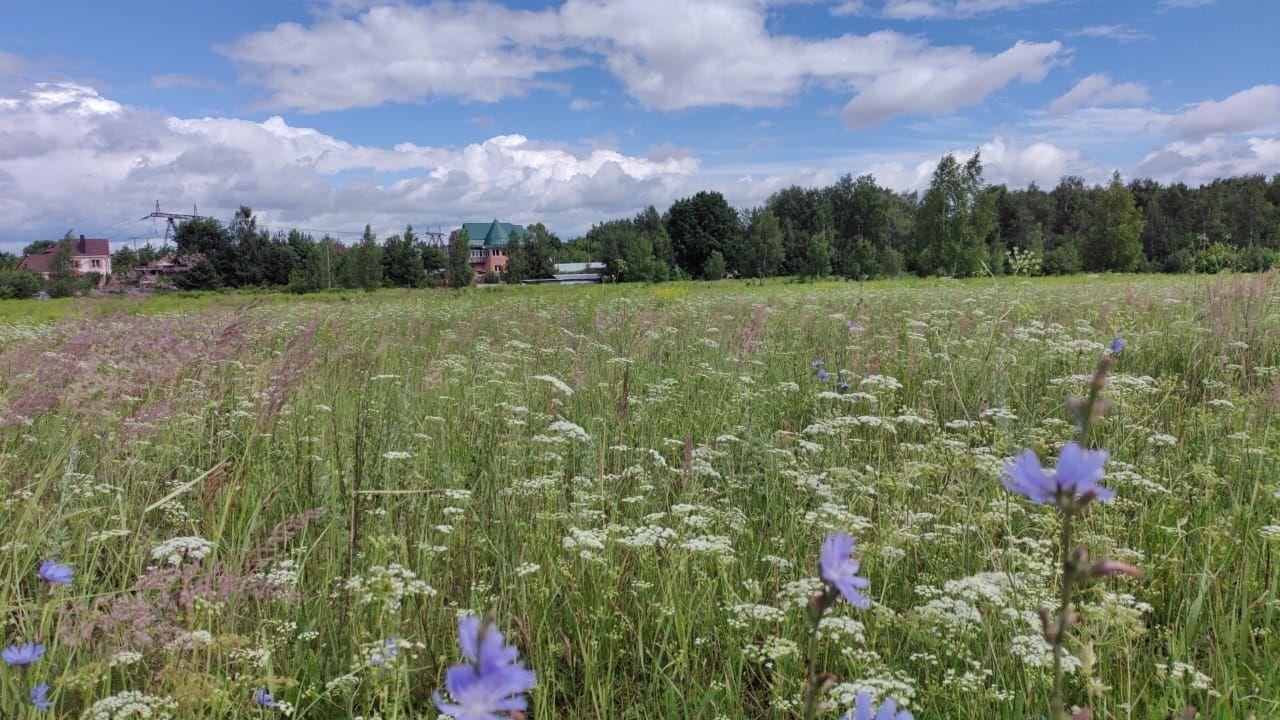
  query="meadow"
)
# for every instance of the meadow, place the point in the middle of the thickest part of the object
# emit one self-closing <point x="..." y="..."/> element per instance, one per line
<point x="303" y="496"/>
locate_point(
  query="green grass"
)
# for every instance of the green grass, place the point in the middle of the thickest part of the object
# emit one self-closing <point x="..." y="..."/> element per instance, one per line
<point x="666" y="584"/>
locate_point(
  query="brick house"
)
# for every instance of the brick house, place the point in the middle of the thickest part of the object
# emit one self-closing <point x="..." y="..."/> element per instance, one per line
<point x="488" y="243"/>
<point x="91" y="255"/>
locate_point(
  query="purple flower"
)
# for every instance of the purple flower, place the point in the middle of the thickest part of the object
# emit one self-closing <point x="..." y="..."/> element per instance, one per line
<point x="492" y="681"/>
<point x="40" y="697"/>
<point x="815" y="363"/>
<point x="23" y="654"/>
<point x="838" y="568"/>
<point x="888" y="710"/>
<point x="1117" y="345"/>
<point x="823" y="375"/>
<point x="390" y="649"/>
<point x="1075" y="479"/>
<point x="263" y="698"/>
<point x="843" y="386"/>
<point x="55" y="572"/>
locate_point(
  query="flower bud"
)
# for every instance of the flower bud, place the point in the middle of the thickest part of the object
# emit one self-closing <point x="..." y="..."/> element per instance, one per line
<point x="1106" y="567"/>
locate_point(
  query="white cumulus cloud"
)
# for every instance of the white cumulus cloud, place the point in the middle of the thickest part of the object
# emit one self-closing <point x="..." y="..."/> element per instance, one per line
<point x="1257" y="107"/>
<point x="668" y="55"/>
<point x="1097" y="90"/>
<point x="71" y="157"/>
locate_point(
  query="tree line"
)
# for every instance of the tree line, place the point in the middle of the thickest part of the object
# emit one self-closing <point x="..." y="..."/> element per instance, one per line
<point x="960" y="226"/>
<point x="854" y="228"/>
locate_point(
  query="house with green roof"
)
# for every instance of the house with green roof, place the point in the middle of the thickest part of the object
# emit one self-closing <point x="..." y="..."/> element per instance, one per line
<point x="488" y="241"/>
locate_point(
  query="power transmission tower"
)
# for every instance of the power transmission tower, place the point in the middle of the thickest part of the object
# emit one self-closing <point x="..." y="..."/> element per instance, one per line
<point x="172" y="219"/>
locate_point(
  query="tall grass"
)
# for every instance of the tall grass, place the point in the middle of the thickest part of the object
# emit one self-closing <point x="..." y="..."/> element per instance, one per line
<point x="368" y="468"/>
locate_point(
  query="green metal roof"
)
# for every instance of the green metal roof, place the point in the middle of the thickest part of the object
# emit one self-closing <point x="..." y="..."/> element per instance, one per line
<point x="492" y="234"/>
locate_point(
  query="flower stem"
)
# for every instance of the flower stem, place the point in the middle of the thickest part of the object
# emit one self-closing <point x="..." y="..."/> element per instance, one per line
<point x="811" y="691"/>
<point x="1057" y="706"/>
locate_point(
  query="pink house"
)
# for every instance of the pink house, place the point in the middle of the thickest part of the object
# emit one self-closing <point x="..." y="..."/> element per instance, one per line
<point x="91" y="255"/>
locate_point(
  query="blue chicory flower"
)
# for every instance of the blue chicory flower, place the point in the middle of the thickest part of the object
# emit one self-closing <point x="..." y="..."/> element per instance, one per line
<point x="263" y="697"/>
<point x="815" y="363"/>
<point x="843" y="386"/>
<point x="839" y="569"/>
<point x="39" y="696"/>
<point x="823" y="376"/>
<point x="23" y="654"/>
<point x="1117" y="345"/>
<point x="888" y="710"/>
<point x="1076" y="477"/>
<point x="55" y="572"/>
<point x="491" y="682"/>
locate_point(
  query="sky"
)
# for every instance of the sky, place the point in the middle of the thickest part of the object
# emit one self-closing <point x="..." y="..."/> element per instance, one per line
<point x="330" y="115"/>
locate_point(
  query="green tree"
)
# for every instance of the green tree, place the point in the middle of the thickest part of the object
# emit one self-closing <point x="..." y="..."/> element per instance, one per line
<point x="715" y="268"/>
<point x="40" y="246"/>
<point x="955" y="219"/>
<point x="366" y="262"/>
<point x="817" y="257"/>
<point x="801" y="212"/>
<point x="517" y="268"/>
<point x="761" y="253"/>
<point x="402" y="260"/>
<point x="207" y="238"/>
<point x="202" y="276"/>
<point x="540" y="246"/>
<point x="433" y="259"/>
<point x="459" y="272"/>
<point x="62" y="268"/>
<point x="649" y="224"/>
<point x="699" y="226"/>
<point x="1114" y="231"/>
<point x="627" y="252"/>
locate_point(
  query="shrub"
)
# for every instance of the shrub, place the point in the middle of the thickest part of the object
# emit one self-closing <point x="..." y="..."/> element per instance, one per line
<point x="1257" y="259"/>
<point x="18" y="284"/>
<point x="1062" y="260"/>
<point x="1217" y="257"/>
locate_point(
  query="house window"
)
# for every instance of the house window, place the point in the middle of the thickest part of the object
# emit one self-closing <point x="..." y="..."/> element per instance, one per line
<point x="95" y="263"/>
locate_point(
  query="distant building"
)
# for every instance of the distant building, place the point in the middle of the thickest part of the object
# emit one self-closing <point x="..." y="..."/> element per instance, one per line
<point x="163" y="270"/>
<point x="583" y="273"/>
<point x="488" y="243"/>
<point x="90" y="254"/>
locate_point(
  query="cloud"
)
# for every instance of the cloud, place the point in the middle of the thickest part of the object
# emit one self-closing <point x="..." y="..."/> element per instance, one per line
<point x="1120" y="33"/>
<point x="668" y="56"/>
<point x="583" y="104"/>
<point x="1005" y="159"/>
<point x="70" y="157"/>
<point x="1205" y="160"/>
<point x="965" y="79"/>
<point x="1185" y="3"/>
<point x="1097" y="90"/>
<point x="1257" y="107"/>
<point x="850" y="7"/>
<point x="478" y="51"/>
<point x="950" y="9"/>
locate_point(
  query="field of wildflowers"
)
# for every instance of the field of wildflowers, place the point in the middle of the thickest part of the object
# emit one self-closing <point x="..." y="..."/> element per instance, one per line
<point x="689" y="501"/>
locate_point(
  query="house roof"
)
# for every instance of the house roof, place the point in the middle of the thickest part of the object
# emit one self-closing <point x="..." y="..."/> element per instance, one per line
<point x="40" y="262"/>
<point x="92" y="246"/>
<point x="491" y="234"/>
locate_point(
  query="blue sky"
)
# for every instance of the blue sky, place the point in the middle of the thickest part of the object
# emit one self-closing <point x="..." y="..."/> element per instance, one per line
<point x="329" y="115"/>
